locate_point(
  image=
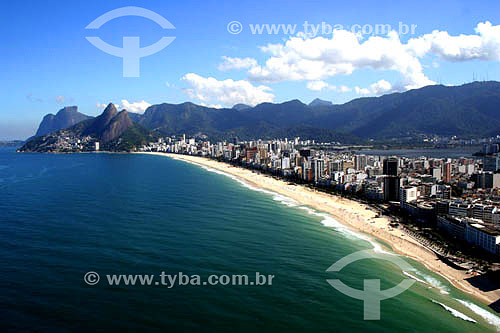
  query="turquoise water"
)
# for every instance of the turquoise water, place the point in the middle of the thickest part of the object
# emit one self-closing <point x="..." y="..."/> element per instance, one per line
<point x="64" y="215"/>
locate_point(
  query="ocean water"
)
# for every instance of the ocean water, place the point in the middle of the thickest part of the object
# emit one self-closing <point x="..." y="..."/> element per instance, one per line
<point x="63" y="215"/>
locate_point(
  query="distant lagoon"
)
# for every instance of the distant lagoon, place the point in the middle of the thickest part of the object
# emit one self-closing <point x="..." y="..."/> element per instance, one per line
<point x="464" y="151"/>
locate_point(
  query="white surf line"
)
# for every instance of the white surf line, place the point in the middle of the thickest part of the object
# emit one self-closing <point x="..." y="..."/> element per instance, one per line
<point x="454" y="312"/>
<point x="328" y="220"/>
<point x="429" y="281"/>
<point x="434" y="283"/>
<point x="486" y="315"/>
<point x="411" y="276"/>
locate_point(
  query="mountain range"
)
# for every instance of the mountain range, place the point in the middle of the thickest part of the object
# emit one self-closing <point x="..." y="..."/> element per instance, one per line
<point x="66" y="117"/>
<point x="112" y="129"/>
<point x="471" y="110"/>
<point x="467" y="110"/>
<point x="319" y="102"/>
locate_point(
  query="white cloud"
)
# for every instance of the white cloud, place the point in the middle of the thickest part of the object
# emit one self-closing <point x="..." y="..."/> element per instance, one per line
<point x="226" y="92"/>
<point x="215" y="106"/>
<point x="362" y="91"/>
<point x="378" y="88"/>
<point x="103" y="106"/>
<point x="59" y="99"/>
<point x="322" y="85"/>
<point x="319" y="85"/>
<point x="316" y="59"/>
<point x="236" y="63"/>
<point x="381" y="87"/>
<point x="344" y="89"/>
<point x="135" y="107"/>
<point x="484" y="45"/>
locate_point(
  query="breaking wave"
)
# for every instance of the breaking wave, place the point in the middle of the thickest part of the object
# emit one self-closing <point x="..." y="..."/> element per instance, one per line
<point x="486" y="315"/>
<point x="455" y="313"/>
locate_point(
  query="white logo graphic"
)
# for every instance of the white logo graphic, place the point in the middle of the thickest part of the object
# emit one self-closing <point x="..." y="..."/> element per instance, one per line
<point x="371" y="294"/>
<point x="91" y="278"/>
<point x="234" y="27"/>
<point x="131" y="52"/>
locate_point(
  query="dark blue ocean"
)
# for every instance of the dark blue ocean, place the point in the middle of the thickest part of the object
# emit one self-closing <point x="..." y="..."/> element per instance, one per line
<point x="63" y="215"/>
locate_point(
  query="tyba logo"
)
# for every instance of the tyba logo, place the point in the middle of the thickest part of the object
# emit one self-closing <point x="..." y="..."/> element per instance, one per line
<point x="371" y="293"/>
<point x="131" y="52"/>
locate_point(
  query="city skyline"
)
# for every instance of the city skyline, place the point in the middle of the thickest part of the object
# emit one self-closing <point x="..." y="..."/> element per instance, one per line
<point x="456" y="196"/>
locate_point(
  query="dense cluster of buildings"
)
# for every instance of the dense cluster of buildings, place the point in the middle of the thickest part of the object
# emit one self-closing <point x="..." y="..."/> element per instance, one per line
<point x="65" y="140"/>
<point x="459" y="196"/>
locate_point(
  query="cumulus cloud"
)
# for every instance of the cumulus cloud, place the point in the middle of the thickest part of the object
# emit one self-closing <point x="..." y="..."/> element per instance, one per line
<point x="215" y="106"/>
<point x="344" y="89"/>
<point x="226" y="92"/>
<point x="236" y="63"/>
<point x="485" y="45"/>
<point x="322" y="86"/>
<point x="135" y="107"/>
<point x="103" y="106"/>
<point x="315" y="59"/>
<point x="381" y="87"/>
<point x="319" y="85"/>
<point x="362" y="91"/>
<point x="377" y="88"/>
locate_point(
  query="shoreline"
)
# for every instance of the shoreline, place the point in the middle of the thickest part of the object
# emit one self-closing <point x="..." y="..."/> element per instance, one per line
<point x="353" y="215"/>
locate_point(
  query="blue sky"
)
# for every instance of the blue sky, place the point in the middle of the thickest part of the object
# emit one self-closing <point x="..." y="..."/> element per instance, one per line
<point x="47" y="63"/>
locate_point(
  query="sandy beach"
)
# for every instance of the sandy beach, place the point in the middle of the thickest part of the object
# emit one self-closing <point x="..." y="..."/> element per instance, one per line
<point x="354" y="215"/>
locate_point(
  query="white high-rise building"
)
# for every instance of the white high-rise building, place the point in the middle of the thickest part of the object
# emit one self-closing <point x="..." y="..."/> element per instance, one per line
<point x="408" y="194"/>
<point x="285" y="163"/>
